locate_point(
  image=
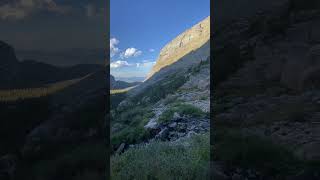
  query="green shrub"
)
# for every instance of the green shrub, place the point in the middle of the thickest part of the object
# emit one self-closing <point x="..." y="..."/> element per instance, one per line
<point x="115" y="99"/>
<point x="84" y="160"/>
<point x="133" y="121"/>
<point x="247" y="151"/>
<point x="169" y="99"/>
<point x="160" y="90"/>
<point x="164" y="160"/>
<point x="204" y="98"/>
<point x="181" y="109"/>
<point x="129" y="135"/>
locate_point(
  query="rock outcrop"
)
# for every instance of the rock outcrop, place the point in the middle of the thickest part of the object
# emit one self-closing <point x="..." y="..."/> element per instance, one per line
<point x="188" y="50"/>
<point x="190" y="40"/>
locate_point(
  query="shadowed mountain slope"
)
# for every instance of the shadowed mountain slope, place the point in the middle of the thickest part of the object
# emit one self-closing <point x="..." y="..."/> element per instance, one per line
<point x="30" y="73"/>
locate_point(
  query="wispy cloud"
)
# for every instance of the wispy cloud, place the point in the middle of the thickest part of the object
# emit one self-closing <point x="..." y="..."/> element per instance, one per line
<point x="119" y="64"/>
<point x="113" y="46"/>
<point x="130" y="52"/>
<point x="151" y="50"/>
<point x="16" y="10"/>
<point x="145" y="64"/>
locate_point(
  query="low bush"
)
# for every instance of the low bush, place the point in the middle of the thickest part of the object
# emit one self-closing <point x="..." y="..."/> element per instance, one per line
<point x="248" y="151"/>
<point x="86" y="160"/>
<point x="181" y="109"/>
<point x="160" y="90"/>
<point x="133" y="121"/>
<point x="164" y="160"/>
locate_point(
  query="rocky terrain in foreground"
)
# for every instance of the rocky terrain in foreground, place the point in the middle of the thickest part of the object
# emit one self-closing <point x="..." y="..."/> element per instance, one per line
<point x="266" y="96"/>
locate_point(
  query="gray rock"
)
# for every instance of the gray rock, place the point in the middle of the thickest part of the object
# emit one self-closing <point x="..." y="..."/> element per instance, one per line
<point x="152" y="124"/>
<point x="172" y="125"/>
<point x="181" y="127"/>
<point x="176" y="116"/>
<point x="191" y="133"/>
<point x="120" y="148"/>
<point x="163" y="134"/>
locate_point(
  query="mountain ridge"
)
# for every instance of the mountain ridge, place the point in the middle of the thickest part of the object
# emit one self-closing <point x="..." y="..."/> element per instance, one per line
<point x="30" y="73"/>
<point x="186" y="42"/>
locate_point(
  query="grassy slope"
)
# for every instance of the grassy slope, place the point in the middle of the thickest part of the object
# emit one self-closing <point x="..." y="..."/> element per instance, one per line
<point x="72" y="160"/>
<point x="20" y="94"/>
<point x="164" y="161"/>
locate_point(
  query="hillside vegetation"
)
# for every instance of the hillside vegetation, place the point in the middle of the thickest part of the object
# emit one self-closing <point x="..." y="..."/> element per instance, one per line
<point x="29" y="93"/>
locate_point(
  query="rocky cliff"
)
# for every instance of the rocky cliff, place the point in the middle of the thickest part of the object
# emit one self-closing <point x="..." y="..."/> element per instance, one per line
<point x="188" y="41"/>
<point x="266" y="74"/>
<point x="186" y="51"/>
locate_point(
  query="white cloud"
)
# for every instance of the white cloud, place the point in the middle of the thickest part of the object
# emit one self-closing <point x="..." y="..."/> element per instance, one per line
<point x="23" y="8"/>
<point x="151" y="50"/>
<point x="130" y="52"/>
<point x="118" y="64"/>
<point x="113" y="49"/>
<point x="145" y="63"/>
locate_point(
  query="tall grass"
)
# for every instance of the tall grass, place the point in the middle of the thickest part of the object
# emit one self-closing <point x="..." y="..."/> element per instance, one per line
<point x="164" y="161"/>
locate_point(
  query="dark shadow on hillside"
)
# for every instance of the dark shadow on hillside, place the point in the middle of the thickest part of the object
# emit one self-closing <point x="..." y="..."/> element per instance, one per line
<point x="57" y="135"/>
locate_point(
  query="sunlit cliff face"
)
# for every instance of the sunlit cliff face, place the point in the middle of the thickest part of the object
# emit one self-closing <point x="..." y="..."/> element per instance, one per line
<point x="185" y="43"/>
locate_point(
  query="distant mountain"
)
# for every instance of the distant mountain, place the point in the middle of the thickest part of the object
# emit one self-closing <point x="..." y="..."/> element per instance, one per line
<point x="30" y="73"/>
<point x="66" y="57"/>
<point x="114" y="84"/>
<point x="130" y="79"/>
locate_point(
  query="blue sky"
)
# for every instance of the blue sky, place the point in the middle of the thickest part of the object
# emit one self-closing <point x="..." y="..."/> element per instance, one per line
<point x="140" y="28"/>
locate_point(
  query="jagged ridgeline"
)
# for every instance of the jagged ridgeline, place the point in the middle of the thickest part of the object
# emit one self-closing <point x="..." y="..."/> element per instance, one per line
<point x="153" y="121"/>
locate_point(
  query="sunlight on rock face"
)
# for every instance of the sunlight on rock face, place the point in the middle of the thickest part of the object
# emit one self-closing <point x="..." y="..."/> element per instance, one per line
<point x="185" y="43"/>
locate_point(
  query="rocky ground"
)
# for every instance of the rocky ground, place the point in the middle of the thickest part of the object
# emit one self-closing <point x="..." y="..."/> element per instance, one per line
<point x="194" y="92"/>
<point x="272" y="91"/>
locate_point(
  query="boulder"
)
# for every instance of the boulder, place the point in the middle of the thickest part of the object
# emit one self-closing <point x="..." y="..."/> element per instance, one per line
<point x="121" y="148"/>
<point x="163" y="134"/>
